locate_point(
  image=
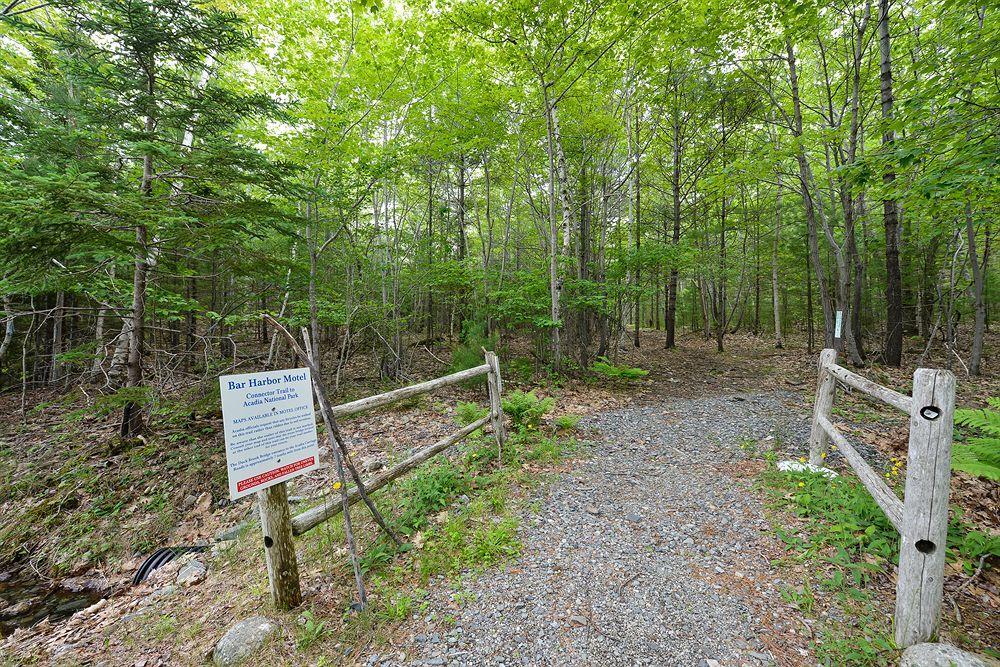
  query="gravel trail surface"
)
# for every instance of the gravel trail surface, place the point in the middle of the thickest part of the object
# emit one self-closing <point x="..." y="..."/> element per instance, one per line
<point x="653" y="550"/>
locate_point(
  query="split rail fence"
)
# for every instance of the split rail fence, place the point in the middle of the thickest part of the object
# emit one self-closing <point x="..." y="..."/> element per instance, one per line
<point x="311" y="518"/>
<point x="279" y="527"/>
<point x="921" y="518"/>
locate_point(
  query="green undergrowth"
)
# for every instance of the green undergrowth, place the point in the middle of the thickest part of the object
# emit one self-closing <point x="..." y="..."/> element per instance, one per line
<point x="846" y="546"/>
<point x="604" y="368"/>
<point x="76" y="495"/>
<point x="458" y="514"/>
<point x="977" y="450"/>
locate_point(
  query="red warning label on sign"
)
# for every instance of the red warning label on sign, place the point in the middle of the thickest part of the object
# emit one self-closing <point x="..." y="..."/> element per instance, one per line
<point x="266" y="477"/>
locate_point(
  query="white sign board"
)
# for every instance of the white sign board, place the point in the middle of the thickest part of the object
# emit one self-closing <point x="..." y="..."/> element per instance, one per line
<point x="840" y="323"/>
<point x="270" y="428"/>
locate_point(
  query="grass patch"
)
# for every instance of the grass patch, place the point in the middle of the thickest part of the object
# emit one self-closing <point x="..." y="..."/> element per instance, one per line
<point x="309" y="631"/>
<point x="459" y="515"/>
<point x="846" y="543"/>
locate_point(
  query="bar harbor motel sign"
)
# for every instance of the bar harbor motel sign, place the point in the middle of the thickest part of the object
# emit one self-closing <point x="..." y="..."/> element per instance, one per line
<point x="270" y="428"/>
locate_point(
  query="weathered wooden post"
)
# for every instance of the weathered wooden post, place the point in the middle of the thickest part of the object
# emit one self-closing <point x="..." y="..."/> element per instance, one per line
<point x="920" y="584"/>
<point x="495" y="388"/>
<point x="826" y="386"/>
<point x="279" y="547"/>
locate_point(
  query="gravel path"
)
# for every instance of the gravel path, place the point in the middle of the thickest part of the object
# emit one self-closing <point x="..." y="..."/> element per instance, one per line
<point x="652" y="551"/>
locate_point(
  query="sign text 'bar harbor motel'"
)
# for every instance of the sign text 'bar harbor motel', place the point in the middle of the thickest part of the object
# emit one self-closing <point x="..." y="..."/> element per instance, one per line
<point x="270" y="428"/>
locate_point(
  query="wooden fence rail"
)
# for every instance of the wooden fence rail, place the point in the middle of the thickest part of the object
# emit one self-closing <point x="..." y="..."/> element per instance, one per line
<point x="379" y="400"/>
<point x="311" y="518"/>
<point x="921" y="518"/>
<point x="279" y="526"/>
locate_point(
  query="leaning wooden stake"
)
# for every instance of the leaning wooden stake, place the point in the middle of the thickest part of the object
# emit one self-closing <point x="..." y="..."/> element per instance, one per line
<point x="495" y="388"/>
<point x="317" y="515"/>
<point x="338" y="459"/>
<point x="331" y="425"/>
<point x="279" y="547"/>
<point x="339" y="456"/>
<point x="826" y="386"/>
<point x="920" y="584"/>
<point x="345" y="454"/>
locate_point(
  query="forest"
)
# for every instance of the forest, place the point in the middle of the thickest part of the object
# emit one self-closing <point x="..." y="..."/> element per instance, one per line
<point x="592" y="188"/>
<point x="572" y="172"/>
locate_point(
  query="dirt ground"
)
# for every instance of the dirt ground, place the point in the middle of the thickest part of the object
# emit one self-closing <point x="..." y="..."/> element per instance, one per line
<point x="78" y="506"/>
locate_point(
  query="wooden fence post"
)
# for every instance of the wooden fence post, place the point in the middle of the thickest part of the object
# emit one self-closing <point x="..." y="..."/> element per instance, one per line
<point x="826" y="386"/>
<point x="920" y="584"/>
<point x="279" y="548"/>
<point x="495" y="388"/>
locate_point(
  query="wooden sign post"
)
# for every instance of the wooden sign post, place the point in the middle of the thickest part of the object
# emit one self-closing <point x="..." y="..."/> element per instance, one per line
<point x="279" y="547"/>
<point x="270" y="430"/>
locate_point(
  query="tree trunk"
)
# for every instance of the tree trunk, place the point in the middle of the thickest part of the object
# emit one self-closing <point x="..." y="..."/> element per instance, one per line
<point x="633" y="140"/>
<point x="462" y="242"/>
<point x="810" y="323"/>
<point x="675" y="188"/>
<point x="555" y="282"/>
<point x="893" y="283"/>
<point x="430" y="246"/>
<point x="805" y="176"/>
<point x="132" y="419"/>
<point x="311" y="233"/>
<point x="58" y="313"/>
<point x="8" y="334"/>
<point x="928" y="289"/>
<point x="583" y="271"/>
<point x="779" y="340"/>
<point x="978" y="294"/>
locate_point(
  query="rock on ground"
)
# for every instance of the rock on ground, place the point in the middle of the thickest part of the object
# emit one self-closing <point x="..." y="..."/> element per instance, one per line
<point x="242" y="640"/>
<point x="938" y="655"/>
<point x="191" y="573"/>
<point x="648" y="553"/>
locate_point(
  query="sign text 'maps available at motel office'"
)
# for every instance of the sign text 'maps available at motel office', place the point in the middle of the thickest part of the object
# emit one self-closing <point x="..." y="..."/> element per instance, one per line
<point x="270" y="428"/>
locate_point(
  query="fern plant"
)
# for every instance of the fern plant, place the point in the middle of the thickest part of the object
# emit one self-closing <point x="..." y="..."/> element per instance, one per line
<point x="603" y="366"/>
<point x="979" y="454"/>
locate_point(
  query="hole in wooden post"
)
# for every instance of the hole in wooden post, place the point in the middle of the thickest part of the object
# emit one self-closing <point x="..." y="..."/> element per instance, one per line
<point x="925" y="546"/>
<point x="268" y="542"/>
<point x="930" y="412"/>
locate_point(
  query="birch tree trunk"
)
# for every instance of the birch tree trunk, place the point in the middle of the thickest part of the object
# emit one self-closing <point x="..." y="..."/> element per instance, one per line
<point x="555" y="282"/>
<point x="779" y="341"/>
<point x="564" y="197"/>
<point x="8" y="334"/>
<point x="58" y="311"/>
<point x="100" y="354"/>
